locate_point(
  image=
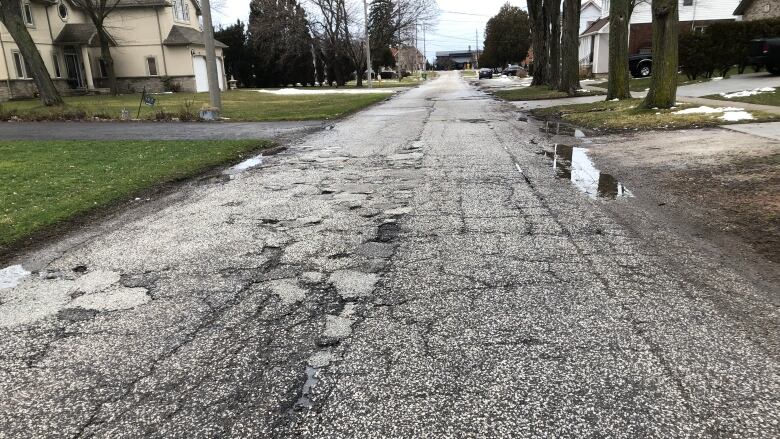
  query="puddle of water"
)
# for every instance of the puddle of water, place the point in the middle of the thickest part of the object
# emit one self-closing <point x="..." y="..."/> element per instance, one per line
<point x="306" y="392"/>
<point x="573" y="163"/>
<point x="11" y="276"/>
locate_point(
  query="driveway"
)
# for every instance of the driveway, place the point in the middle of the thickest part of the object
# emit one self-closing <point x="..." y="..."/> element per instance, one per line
<point x="417" y="271"/>
<point x="748" y="81"/>
<point x="153" y="130"/>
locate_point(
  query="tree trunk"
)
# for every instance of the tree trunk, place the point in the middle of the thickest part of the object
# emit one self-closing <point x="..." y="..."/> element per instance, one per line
<point x="539" y="35"/>
<point x="663" y="83"/>
<point x="619" y="18"/>
<point x="570" y="48"/>
<point x="108" y="60"/>
<point x="11" y="17"/>
<point x="553" y="9"/>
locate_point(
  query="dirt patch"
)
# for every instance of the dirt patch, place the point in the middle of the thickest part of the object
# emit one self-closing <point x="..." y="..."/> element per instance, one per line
<point x="721" y="186"/>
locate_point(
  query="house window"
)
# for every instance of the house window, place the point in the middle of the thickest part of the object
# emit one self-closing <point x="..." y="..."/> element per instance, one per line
<point x="28" y="15"/>
<point x="56" y="62"/>
<point x="103" y="70"/>
<point x="20" y="65"/>
<point x="699" y="29"/>
<point x="181" y="10"/>
<point x="151" y="65"/>
<point x="62" y="11"/>
<point x="687" y="2"/>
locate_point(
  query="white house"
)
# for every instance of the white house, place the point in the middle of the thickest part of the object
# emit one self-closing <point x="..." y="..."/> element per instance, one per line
<point x="695" y="15"/>
<point x="153" y="41"/>
<point x="590" y="11"/>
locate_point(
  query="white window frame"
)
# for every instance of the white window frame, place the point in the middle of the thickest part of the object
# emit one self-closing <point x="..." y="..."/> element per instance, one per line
<point x="181" y="11"/>
<point x="20" y="66"/>
<point x="156" y="66"/>
<point x="26" y="6"/>
<point x="57" y="67"/>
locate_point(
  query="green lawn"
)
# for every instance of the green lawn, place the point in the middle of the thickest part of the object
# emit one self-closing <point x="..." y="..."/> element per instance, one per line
<point x="238" y="105"/>
<point x="45" y="182"/>
<point x="768" y="98"/>
<point x="609" y="116"/>
<point x="536" y="92"/>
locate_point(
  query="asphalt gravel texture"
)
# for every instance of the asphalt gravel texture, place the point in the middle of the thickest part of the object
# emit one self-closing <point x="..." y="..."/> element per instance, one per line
<point x="415" y="271"/>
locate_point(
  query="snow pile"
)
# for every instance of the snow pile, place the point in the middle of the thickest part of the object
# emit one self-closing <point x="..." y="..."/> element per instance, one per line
<point x="707" y="110"/>
<point x="734" y="116"/>
<point x="746" y="93"/>
<point x="730" y="114"/>
<point x="326" y="90"/>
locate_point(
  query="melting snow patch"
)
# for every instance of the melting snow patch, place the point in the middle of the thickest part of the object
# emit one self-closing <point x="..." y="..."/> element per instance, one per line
<point x="10" y="276"/>
<point x="323" y="91"/>
<point x="707" y="110"/>
<point x="746" y="93"/>
<point x="730" y="114"/>
<point x="733" y="116"/>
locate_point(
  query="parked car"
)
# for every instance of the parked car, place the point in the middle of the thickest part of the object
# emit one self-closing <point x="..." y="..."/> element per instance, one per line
<point x="485" y="73"/>
<point x="640" y="66"/>
<point x="766" y="53"/>
<point x="513" y="70"/>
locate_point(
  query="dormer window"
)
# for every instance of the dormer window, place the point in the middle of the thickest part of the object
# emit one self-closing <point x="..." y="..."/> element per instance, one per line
<point x="181" y="10"/>
<point x="62" y="11"/>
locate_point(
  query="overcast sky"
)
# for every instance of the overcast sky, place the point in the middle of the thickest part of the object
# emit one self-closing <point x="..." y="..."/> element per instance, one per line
<point x="456" y="30"/>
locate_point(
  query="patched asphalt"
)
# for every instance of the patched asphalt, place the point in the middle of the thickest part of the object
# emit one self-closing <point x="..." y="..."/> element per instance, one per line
<point x="416" y="271"/>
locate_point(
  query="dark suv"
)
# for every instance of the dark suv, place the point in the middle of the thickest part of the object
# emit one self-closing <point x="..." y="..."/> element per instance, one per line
<point x="766" y="53"/>
<point x="640" y="66"/>
<point x="485" y="73"/>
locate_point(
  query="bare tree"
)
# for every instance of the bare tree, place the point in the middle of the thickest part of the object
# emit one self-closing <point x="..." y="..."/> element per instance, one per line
<point x="570" y="64"/>
<point x="540" y="32"/>
<point x="11" y="17"/>
<point x="666" y="31"/>
<point x="339" y="29"/>
<point x="98" y="11"/>
<point x="553" y="10"/>
<point x="620" y="12"/>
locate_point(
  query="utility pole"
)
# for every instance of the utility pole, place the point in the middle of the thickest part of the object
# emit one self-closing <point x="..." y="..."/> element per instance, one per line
<point x="425" y="54"/>
<point x="415" y="43"/>
<point x="215" y="98"/>
<point x="368" y="44"/>
<point x="476" y="40"/>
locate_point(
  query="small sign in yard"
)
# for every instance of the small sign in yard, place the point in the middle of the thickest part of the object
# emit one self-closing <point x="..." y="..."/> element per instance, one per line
<point x="145" y="99"/>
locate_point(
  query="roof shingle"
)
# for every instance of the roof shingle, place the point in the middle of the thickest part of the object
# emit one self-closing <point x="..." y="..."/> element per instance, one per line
<point x="182" y="36"/>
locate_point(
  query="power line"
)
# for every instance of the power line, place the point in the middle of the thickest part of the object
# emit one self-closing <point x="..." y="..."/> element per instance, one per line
<point x="462" y="13"/>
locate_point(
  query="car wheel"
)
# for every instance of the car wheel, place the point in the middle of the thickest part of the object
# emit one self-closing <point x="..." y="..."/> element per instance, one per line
<point x="645" y="70"/>
<point x="775" y="70"/>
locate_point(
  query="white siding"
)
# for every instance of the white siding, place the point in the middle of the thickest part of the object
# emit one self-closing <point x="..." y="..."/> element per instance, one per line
<point x="590" y="14"/>
<point x="700" y="10"/>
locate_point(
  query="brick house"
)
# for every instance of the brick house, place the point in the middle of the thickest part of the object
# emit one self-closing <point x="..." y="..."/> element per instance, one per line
<point x="758" y="9"/>
<point x="695" y="15"/>
<point x="152" y="40"/>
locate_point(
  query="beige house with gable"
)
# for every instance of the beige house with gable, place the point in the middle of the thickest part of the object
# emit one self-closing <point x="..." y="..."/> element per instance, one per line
<point x="153" y="40"/>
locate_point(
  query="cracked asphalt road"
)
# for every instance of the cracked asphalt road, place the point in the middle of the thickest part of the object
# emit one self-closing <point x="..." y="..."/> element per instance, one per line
<point x="396" y="276"/>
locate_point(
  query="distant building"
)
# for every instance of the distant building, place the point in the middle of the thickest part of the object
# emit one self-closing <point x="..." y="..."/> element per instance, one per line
<point x="457" y="59"/>
<point x="409" y="58"/>
<point x="695" y="16"/>
<point x="758" y="9"/>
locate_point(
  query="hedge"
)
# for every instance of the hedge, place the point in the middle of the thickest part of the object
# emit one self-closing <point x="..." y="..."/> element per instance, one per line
<point x="722" y="45"/>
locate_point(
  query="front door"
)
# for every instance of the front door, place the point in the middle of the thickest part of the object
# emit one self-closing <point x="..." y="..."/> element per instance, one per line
<point x="75" y="78"/>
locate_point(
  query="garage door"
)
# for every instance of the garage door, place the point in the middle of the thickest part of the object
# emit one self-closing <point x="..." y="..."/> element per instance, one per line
<point x="201" y="77"/>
